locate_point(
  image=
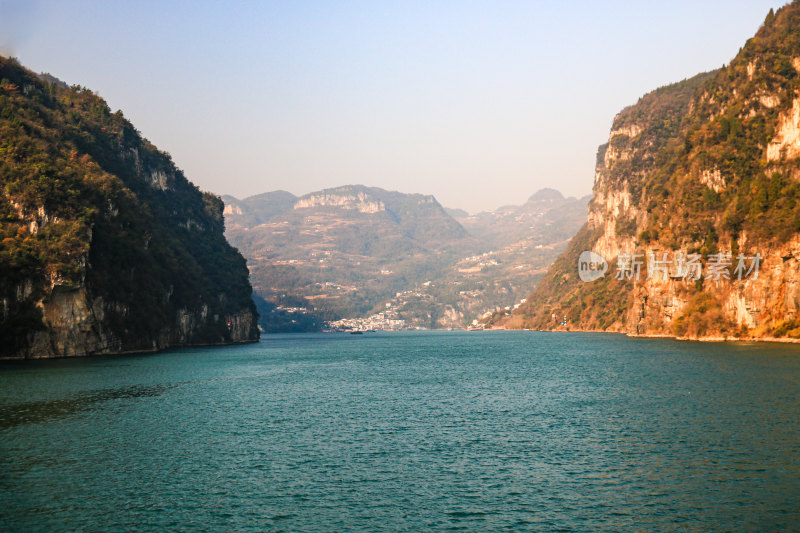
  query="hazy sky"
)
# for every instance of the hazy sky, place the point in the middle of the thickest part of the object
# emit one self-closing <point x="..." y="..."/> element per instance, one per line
<point x="478" y="103"/>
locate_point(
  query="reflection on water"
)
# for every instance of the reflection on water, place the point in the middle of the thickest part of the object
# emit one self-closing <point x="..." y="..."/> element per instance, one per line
<point x="40" y="411"/>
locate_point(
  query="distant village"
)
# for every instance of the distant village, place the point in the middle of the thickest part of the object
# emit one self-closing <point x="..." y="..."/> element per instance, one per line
<point x="376" y="322"/>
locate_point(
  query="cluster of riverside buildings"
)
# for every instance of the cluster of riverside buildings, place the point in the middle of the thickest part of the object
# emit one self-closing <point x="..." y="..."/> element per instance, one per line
<point x="376" y="322"/>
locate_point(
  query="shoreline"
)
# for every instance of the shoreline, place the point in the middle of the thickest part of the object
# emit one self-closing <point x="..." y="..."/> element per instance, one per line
<point x="126" y="352"/>
<point x="708" y="338"/>
<point x="705" y="339"/>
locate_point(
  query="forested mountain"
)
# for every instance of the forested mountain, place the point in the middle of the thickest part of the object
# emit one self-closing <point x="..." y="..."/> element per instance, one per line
<point x="106" y="247"/>
<point x="698" y="188"/>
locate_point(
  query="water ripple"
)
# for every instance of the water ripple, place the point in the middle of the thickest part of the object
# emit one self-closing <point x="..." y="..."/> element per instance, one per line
<point x="408" y="432"/>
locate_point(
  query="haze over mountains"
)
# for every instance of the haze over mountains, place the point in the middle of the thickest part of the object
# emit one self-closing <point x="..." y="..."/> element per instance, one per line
<point x="355" y="251"/>
<point x="546" y="217"/>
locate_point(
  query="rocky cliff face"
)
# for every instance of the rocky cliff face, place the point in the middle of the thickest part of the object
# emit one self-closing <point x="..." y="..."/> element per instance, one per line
<point x="697" y="189"/>
<point x="105" y="246"/>
<point x="360" y="202"/>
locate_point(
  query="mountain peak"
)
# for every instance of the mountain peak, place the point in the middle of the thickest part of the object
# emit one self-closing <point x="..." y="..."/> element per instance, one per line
<point x="546" y="195"/>
<point x="349" y="197"/>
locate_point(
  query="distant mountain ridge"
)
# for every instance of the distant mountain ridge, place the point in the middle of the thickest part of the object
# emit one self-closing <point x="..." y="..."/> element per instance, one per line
<point x="546" y="216"/>
<point x="404" y="209"/>
<point x="258" y="209"/>
<point x="345" y="249"/>
<point x="354" y="250"/>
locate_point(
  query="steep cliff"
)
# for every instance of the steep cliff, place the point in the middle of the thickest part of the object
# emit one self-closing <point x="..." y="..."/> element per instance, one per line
<point x="695" y="208"/>
<point x="105" y="247"/>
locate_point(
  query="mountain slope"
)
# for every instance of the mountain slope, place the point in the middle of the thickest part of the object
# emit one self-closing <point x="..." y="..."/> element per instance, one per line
<point x="546" y="217"/>
<point x="345" y="249"/>
<point x="705" y="171"/>
<point x="257" y="209"/>
<point x="106" y="247"/>
<point x="353" y="251"/>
